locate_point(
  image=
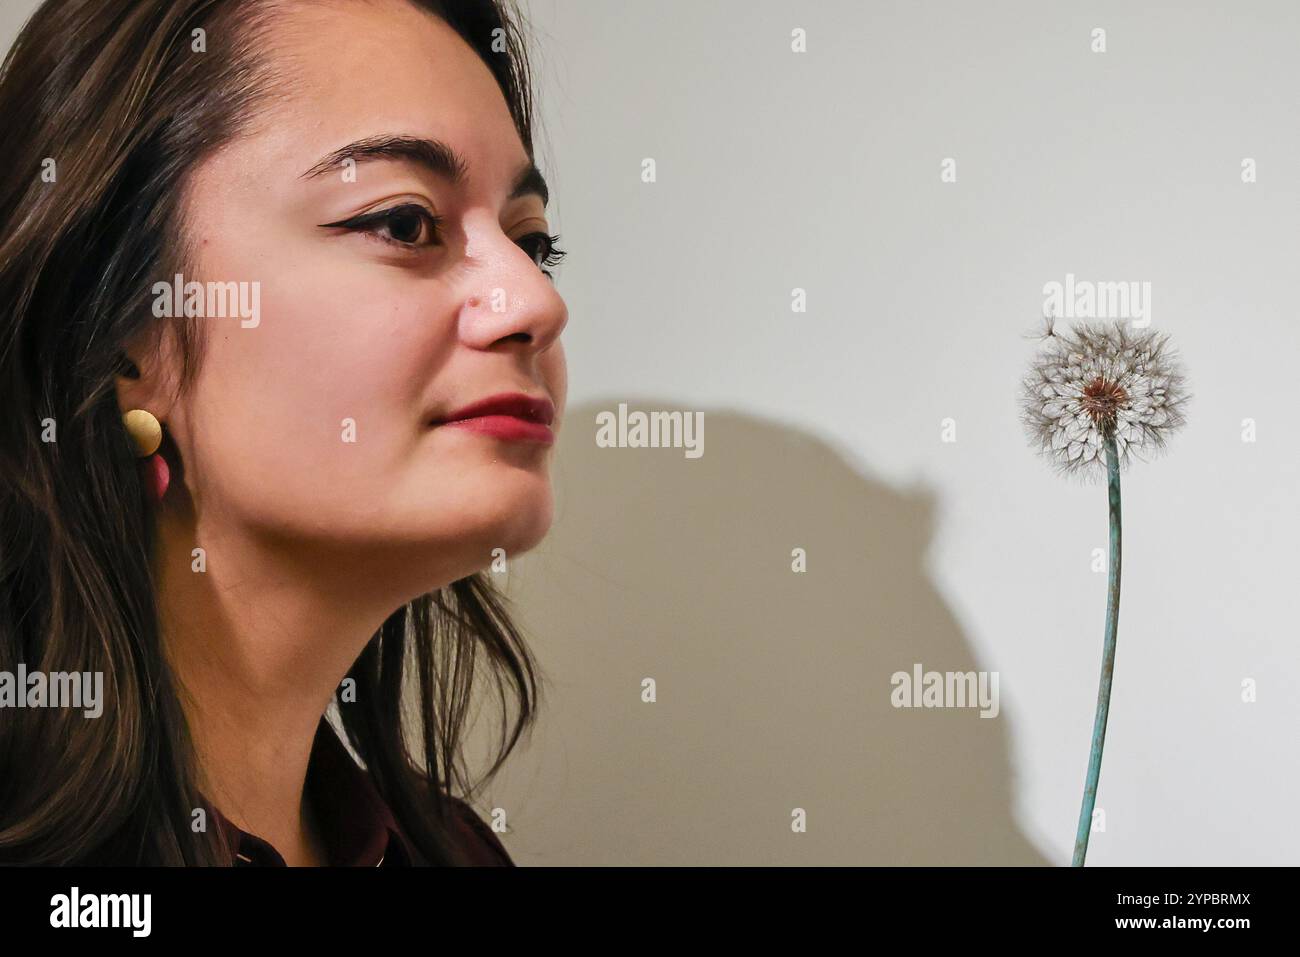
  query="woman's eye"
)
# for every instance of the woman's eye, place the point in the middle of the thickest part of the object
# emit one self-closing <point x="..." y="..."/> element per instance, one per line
<point x="542" y="247"/>
<point x="409" y="225"/>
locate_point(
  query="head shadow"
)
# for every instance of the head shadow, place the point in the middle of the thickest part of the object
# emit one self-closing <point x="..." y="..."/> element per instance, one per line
<point x="773" y="687"/>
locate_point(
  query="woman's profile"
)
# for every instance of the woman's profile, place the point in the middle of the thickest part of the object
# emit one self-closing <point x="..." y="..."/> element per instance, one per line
<point x="280" y="356"/>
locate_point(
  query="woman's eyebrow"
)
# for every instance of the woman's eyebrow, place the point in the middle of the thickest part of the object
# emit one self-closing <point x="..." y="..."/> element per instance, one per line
<point x="434" y="155"/>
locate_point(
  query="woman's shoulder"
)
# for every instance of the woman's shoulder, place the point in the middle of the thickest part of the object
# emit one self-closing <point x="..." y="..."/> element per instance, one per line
<point x="475" y="839"/>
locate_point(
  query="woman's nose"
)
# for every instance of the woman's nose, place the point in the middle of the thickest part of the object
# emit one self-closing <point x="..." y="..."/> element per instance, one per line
<point x="510" y="298"/>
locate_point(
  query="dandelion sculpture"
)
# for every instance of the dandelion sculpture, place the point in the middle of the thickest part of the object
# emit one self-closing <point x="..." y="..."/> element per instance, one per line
<point x="1095" y="399"/>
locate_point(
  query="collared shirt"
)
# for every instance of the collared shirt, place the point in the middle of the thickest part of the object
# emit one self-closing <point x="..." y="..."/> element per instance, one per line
<point x="357" y="826"/>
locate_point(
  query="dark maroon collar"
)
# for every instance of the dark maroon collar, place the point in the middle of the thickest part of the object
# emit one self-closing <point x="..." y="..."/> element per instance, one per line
<point x="357" y="826"/>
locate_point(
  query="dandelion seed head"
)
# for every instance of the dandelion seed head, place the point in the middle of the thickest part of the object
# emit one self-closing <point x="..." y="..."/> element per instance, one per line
<point x="1101" y="378"/>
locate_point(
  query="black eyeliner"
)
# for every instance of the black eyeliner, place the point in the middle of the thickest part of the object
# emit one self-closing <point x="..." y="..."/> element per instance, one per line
<point x="381" y="215"/>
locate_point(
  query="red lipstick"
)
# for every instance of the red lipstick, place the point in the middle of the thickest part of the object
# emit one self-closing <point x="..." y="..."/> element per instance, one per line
<point x="508" y="415"/>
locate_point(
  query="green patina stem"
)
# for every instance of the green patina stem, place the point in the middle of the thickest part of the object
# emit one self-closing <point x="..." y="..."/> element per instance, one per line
<point x="1107" y="658"/>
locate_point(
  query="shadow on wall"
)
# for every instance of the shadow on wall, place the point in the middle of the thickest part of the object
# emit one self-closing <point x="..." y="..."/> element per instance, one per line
<point x="773" y="688"/>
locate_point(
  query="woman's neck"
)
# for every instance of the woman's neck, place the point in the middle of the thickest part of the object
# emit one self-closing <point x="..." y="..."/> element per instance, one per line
<point x="258" y="643"/>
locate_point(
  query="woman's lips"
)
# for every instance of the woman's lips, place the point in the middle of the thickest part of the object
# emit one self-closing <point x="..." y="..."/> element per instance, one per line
<point x="509" y="427"/>
<point x="515" y="416"/>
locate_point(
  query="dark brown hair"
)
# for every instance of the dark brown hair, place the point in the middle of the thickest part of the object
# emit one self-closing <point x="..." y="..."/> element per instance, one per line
<point x="114" y="94"/>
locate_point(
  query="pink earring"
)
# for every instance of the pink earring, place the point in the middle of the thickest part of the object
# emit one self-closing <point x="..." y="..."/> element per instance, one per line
<point x="146" y="434"/>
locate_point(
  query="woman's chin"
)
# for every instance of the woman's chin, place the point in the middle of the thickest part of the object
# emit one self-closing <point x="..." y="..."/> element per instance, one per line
<point x="513" y="517"/>
<point x="524" y="527"/>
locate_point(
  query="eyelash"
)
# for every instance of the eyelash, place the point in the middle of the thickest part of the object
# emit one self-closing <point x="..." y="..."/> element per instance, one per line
<point x="372" y="223"/>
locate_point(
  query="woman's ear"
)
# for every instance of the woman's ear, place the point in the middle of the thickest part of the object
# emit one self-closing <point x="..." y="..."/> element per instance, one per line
<point x="126" y="367"/>
<point x="145" y="385"/>
<point x="144" y="376"/>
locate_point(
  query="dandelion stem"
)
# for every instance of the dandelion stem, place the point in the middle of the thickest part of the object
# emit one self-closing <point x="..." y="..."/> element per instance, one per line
<point x="1107" y="656"/>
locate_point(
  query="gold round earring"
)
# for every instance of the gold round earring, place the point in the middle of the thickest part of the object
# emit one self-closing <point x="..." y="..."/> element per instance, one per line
<point x="145" y="431"/>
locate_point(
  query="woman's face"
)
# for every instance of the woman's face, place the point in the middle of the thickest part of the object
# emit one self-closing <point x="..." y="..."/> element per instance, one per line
<point x="313" y="426"/>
